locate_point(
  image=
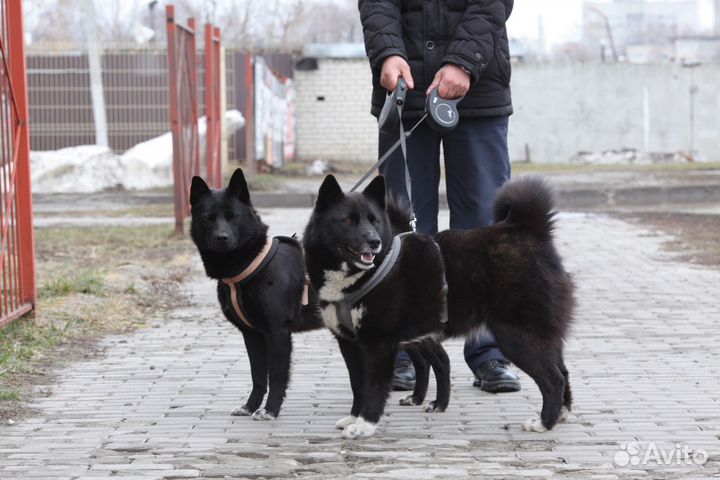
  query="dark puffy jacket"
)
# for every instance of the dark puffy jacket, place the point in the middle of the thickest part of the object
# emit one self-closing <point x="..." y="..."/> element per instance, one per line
<point x="431" y="33"/>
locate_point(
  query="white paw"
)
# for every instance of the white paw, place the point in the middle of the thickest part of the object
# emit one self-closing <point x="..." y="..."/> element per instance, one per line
<point x="262" y="414"/>
<point x="431" y="407"/>
<point x="241" y="412"/>
<point x="564" y="414"/>
<point x="408" y="401"/>
<point x="344" y="422"/>
<point x="534" y="425"/>
<point x="359" y="429"/>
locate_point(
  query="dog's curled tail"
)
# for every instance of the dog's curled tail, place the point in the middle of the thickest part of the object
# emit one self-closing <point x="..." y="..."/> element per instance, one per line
<point x="400" y="214"/>
<point x="529" y="203"/>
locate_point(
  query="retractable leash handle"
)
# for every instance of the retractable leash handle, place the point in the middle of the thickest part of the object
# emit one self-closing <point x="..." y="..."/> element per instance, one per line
<point x="391" y="113"/>
<point x="442" y="113"/>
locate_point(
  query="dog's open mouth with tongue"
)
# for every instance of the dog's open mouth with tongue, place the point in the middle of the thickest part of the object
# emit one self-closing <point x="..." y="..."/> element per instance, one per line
<point x="364" y="259"/>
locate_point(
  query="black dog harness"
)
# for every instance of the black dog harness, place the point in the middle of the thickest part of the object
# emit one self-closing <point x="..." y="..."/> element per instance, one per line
<point x="256" y="266"/>
<point x="343" y="307"/>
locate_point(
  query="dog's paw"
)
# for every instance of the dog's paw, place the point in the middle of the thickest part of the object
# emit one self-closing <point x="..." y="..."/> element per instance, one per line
<point x="344" y="422"/>
<point x="262" y="414"/>
<point x="564" y="414"/>
<point x="359" y="429"/>
<point x="534" y="425"/>
<point x="241" y="412"/>
<point x="432" y="407"/>
<point x="408" y="401"/>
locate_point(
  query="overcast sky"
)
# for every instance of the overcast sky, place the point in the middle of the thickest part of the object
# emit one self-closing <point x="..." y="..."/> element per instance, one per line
<point x="562" y="18"/>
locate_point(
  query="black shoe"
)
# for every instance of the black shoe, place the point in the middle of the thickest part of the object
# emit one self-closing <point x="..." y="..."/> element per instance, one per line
<point x="404" y="376"/>
<point x="495" y="376"/>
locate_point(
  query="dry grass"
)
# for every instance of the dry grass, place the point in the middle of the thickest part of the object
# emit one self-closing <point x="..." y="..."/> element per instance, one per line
<point x="92" y="281"/>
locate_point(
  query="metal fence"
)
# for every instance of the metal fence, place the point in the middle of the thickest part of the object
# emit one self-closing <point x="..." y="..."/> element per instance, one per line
<point x="17" y="246"/>
<point x="182" y="73"/>
<point x="135" y="89"/>
<point x="136" y="94"/>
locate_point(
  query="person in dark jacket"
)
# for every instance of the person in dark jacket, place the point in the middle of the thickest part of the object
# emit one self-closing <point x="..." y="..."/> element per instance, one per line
<point x="460" y="47"/>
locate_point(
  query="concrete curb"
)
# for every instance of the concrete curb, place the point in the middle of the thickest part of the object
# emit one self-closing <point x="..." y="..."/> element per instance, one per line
<point x="568" y="199"/>
<point x="591" y="198"/>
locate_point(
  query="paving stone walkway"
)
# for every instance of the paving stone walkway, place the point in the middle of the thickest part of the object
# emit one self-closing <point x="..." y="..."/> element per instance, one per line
<point x="644" y="360"/>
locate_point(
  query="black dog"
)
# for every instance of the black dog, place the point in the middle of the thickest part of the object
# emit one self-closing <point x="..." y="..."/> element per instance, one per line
<point x="260" y="285"/>
<point x="507" y="277"/>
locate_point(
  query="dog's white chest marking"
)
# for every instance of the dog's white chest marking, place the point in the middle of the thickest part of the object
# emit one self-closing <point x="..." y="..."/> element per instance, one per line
<point x="332" y="291"/>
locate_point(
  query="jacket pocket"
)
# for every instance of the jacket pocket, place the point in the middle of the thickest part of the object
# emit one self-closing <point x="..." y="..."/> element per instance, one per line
<point x="502" y="56"/>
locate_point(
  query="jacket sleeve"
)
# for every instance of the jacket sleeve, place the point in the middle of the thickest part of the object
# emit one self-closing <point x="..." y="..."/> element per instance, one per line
<point x="382" y="30"/>
<point x="473" y="45"/>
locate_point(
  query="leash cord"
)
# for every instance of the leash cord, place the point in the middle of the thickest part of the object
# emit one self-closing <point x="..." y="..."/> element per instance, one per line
<point x="401" y="141"/>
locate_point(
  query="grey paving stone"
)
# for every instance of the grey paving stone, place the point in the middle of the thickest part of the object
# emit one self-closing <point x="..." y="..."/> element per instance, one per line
<point x="644" y="359"/>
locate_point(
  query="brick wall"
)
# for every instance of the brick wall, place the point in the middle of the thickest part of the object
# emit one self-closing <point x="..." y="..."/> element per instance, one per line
<point x="333" y="112"/>
<point x="560" y="110"/>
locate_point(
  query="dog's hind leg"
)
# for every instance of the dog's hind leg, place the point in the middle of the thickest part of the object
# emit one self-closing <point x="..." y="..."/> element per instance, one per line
<point x="567" y="394"/>
<point x="379" y="365"/>
<point x="279" y="353"/>
<point x="355" y="363"/>
<point x="422" y="377"/>
<point x="438" y="358"/>
<point x="538" y="357"/>
<point x="257" y="353"/>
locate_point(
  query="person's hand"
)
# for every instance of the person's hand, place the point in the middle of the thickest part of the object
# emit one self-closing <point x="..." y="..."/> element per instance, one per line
<point x="452" y="82"/>
<point x="393" y="67"/>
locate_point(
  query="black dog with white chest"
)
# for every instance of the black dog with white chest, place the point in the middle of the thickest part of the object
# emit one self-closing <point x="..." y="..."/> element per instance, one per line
<point x="347" y="238"/>
<point x="260" y="285"/>
<point x="507" y="278"/>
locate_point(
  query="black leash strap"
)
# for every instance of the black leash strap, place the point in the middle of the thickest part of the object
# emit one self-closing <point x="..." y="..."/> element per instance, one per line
<point x="387" y="154"/>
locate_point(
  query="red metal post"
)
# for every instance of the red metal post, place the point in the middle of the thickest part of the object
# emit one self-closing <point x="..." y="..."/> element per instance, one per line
<point x="213" y="115"/>
<point x="174" y="117"/>
<point x="195" y="159"/>
<point x="250" y="166"/>
<point x="17" y="255"/>
<point x="182" y="74"/>
<point x="18" y="76"/>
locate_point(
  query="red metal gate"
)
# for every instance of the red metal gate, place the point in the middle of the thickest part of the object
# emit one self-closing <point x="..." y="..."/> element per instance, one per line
<point x="182" y="73"/>
<point x="213" y="113"/>
<point x="17" y="244"/>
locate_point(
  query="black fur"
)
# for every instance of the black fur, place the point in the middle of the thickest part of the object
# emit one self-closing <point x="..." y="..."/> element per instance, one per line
<point x="507" y="277"/>
<point x="405" y="306"/>
<point x="510" y="277"/>
<point x="229" y="234"/>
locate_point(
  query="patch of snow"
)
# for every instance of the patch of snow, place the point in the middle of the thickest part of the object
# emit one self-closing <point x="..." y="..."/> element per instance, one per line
<point x="626" y="156"/>
<point x="318" y="167"/>
<point x="92" y="168"/>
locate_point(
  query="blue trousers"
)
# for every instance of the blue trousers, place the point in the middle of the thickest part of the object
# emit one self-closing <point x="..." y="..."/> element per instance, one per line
<point x="476" y="165"/>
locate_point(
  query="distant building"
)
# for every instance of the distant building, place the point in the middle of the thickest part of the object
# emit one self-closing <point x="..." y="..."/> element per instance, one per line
<point x="638" y="29"/>
<point x="697" y="49"/>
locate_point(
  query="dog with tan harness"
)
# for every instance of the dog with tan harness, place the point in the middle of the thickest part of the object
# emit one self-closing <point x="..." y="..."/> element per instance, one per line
<point x="260" y="284"/>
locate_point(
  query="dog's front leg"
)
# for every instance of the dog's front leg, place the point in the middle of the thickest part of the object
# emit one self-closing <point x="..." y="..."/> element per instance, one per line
<point x="355" y="363"/>
<point x="257" y="353"/>
<point x="279" y="348"/>
<point x="379" y="364"/>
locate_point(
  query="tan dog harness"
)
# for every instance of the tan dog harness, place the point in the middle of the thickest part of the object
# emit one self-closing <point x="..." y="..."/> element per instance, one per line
<point x="254" y="267"/>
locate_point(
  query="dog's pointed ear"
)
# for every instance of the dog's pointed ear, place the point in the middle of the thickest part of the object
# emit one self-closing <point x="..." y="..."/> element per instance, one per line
<point x="330" y="191"/>
<point x="198" y="189"/>
<point x="238" y="186"/>
<point x="376" y="191"/>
